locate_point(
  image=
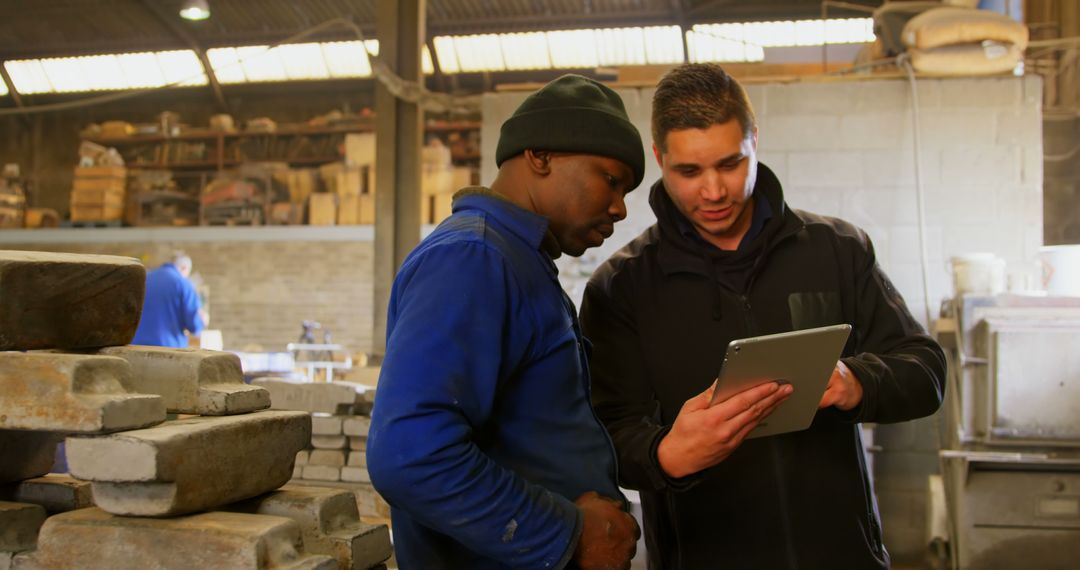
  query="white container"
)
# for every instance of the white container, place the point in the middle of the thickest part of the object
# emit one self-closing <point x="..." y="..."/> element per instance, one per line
<point x="978" y="274"/>
<point x="1061" y="270"/>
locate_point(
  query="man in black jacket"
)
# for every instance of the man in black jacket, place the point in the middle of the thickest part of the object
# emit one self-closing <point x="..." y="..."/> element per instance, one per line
<point x="729" y="259"/>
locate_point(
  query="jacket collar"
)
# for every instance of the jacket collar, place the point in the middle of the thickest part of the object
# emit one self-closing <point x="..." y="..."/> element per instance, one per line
<point x="530" y="227"/>
<point x="679" y="253"/>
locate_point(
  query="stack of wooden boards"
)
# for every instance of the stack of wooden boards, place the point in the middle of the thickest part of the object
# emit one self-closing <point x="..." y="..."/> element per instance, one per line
<point x="97" y="193"/>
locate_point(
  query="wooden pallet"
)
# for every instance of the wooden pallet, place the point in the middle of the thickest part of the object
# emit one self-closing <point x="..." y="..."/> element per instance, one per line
<point x="92" y="224"/>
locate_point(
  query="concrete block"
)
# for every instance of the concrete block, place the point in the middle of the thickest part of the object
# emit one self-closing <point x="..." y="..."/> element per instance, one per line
<point x="982" y="92"/>
<point x="326" y="425"/>
<point x="1020" y="127"/>
<point x="891" y="168"/>
<point x="329" y="441"/>
<point x="948" y="205"/>
<point x="887" y="129"/>
<point x="833" y="168"/>
<point x="72" y="393"/>
<point x="63" y="300"/>
<point x="92" y="539"/>
<point x="192" y="381"/>
<point x="302" y="457"/>
<point x="329" y="523"/>
<point x="26" y="454"/>
<point x="321" y="397"/>
<point x="355" y="474"/>
<point x="966" y="165"/>
<point x="808" y="98"/>
<point x="357" y="459"/>
<point x="322" y="472"/>
<point x="879" y="95"/>
<point x="192" y="464"/>
<point x="358" y="443"/>
<point x="332" y="457"/>
<point x="297" y="471"/>
<point x="794" y="132"/>
<point x="19" y="525"/>
<point x="356" y="427"/>
<point x="952" y="127"/>
<point x="368" y="501"/>
<point x="55" y="492"/>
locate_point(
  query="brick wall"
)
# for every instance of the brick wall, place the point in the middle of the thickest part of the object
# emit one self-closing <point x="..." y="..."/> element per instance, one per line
<point x="260" y="289"/>
<point x="845" y="148"/>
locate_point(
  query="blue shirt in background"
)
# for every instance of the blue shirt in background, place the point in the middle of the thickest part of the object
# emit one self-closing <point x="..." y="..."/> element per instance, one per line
<point x="170" y="307"/>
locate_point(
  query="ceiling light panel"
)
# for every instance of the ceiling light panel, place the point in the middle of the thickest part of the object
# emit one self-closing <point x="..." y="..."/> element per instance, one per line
<point x="573" y="49"/>
<point x="525" y="51"/>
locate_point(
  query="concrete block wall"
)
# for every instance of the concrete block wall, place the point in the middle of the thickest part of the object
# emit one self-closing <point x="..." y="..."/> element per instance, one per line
<point x="260" y="291"/>
<point x="846" y="148"/>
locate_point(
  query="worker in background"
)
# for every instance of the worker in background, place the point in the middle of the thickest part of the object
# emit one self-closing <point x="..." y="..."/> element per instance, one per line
<point x="728" y="259"/>
<point x="482" y="437"/>
<point x="171" y="306"/>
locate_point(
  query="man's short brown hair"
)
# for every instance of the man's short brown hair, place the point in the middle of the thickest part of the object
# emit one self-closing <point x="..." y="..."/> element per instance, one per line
<point x="698" y="96"/>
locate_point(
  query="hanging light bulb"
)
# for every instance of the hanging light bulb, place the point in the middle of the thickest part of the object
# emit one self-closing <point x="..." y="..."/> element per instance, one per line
<point x="195" y="10"/>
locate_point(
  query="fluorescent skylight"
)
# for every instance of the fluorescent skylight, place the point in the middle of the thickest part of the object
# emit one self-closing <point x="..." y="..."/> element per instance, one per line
<point x="746" y="42"/>
<point x="3" y="89"/>
<point x="565" y="49"/>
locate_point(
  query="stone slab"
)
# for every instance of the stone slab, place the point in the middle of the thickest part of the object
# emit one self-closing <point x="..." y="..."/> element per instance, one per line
<point x="329" y="523"/>
<point x="63" y="300"/>
<point x="92" y="539"/>
<point x="358" y="443"/>
<point x="326" y="425"/>
<point x="321" y="397"/>
<point x="25" y="454"/>
<point x="191" y="464"/>
<point x="355" y="474"/>
<point x="72" y="393"/>
<point x="368" y="501"/>
<point x="357" y="459"/>
<point x="19" y="525"/>
<point x="321" y="473"/>
<point x="55" y="492"/>
<point x="302" y="457"/>
<point x="331" y="457"/>
<point x="192" y="381"/>
<point x="356" y="427"/>
<point x="329" y="442"/>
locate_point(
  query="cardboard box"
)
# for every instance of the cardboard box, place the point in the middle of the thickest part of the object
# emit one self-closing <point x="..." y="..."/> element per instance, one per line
<point x="436" y="181"/>
<point x="359" y="149"/>
<point x="322" y="209"/>
<point x="96" y="197"/>
<point x="348" y="210"/>
<point x="435" y="208"/>
<point x="97" y="213"/>
<point x="301" y="184"/>
<point x="98" y="185"/>
<point x="101" y="172"/>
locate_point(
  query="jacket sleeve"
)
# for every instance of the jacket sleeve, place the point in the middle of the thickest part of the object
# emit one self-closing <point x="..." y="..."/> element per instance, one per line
<point x="455" y="330"/>
<point x="900" y="367"/>
<point x="621" y="393"/>
<point x="189" y="307"/>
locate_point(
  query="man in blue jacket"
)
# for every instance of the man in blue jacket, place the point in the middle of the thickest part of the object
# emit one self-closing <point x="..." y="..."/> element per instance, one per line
<point x="483" y="439"/>
<point x="171" y="306"/>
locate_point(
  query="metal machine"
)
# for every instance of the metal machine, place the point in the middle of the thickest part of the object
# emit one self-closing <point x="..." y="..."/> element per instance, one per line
<point x="1011" y="448"/>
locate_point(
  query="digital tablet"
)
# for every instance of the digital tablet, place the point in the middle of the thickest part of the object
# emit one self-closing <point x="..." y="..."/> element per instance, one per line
<point x="805" y="359"/>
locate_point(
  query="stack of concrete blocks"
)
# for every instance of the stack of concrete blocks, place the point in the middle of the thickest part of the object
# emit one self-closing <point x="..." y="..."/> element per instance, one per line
<point x="160" y="486"/>
<point x="340" y="419"/>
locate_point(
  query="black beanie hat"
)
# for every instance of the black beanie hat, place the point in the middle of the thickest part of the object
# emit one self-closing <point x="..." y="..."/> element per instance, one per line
<point x="573" y="114"/>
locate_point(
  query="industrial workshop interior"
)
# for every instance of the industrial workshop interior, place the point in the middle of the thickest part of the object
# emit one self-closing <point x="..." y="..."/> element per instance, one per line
<point x="584" y="284"/>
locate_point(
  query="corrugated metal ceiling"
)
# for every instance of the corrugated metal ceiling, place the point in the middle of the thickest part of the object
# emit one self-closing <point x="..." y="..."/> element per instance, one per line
<point x="36" y="28"/>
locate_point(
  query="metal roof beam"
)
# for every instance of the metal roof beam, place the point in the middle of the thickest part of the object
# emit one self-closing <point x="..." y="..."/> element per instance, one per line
<point x="182" y="34"/>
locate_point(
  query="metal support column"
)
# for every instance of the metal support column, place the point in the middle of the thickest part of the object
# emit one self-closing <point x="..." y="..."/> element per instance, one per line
<point x="399" y="25"/>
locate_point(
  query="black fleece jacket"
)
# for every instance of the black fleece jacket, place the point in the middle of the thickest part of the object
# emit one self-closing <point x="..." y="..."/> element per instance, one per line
<point x="659" y="315"/>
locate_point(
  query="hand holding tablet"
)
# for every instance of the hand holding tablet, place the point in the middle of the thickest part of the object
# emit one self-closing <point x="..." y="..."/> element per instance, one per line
<point x="806" y="359"/>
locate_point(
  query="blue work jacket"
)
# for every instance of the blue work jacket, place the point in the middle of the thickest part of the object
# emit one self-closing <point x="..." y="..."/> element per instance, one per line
<point x="170" y="307"/>
<point x="483" y="435"/>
